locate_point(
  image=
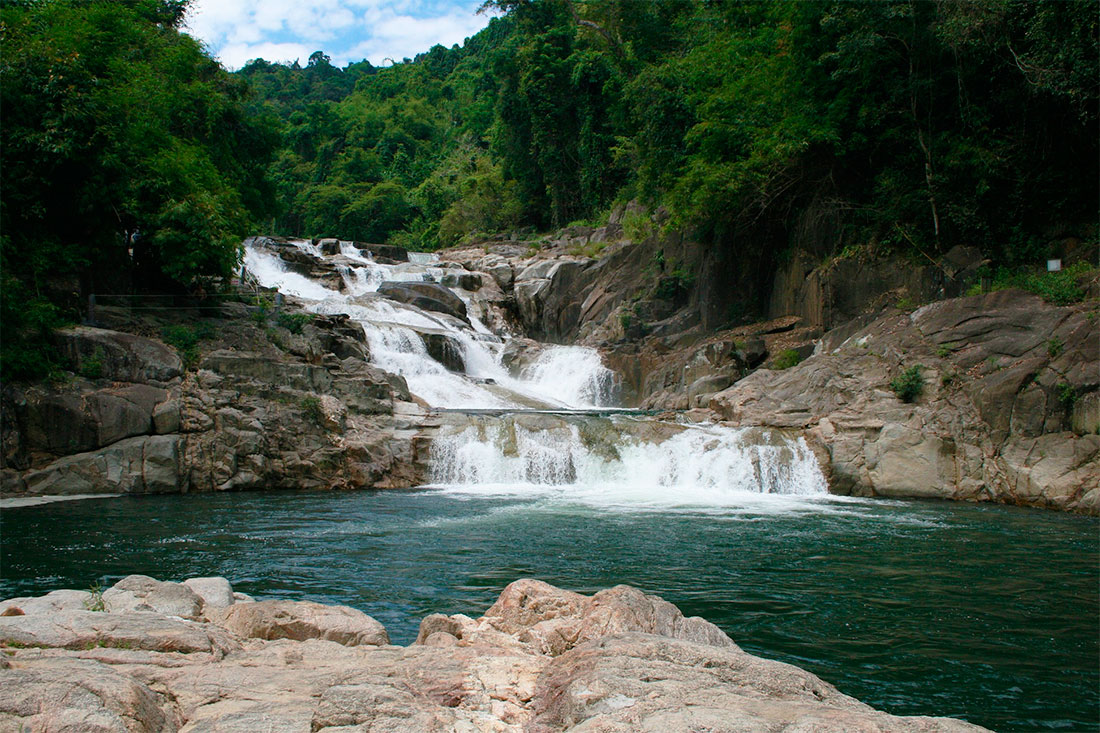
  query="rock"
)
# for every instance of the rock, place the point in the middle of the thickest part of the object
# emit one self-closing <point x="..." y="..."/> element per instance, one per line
<point x="143" y="671"/>
<point x="134" y="466"/>
<point x="470" y="281"/>
<point x="301" y="620"/>
<point x="121" y="357"/>
<point x="989" y="418"/>
<point x="58" y="600"/>
<point x="446" y="350"/>
<point x="140" y="593"/>
<point x="69" y="423"/>
<point x="428" y="296"/>
<point x="71" y="629"/>
<point x="385" y="254"/>
<point x="80" y="695"/>
<point x="215" y="592"/>
<point x="639" y="682"/>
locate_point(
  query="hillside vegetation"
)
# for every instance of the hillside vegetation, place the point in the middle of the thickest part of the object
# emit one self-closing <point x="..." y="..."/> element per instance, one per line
<point x="132" y="162"/>
<point x="904" y="124"/>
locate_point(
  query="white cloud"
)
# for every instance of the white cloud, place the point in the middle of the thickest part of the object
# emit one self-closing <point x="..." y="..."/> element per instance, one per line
<point x="347" y="30"/>
<point x="399" y="36"/>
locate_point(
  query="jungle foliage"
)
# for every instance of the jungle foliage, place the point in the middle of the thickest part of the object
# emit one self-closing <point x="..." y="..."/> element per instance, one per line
<point x="119" y="133"/>
<point x="903" y="124"/>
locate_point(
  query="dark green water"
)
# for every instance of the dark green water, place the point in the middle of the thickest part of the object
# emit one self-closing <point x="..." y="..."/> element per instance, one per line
<point x="978" y="612"/>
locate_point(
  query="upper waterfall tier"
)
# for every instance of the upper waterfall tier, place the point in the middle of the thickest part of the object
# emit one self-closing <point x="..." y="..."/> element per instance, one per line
<point x="447" y="361"/>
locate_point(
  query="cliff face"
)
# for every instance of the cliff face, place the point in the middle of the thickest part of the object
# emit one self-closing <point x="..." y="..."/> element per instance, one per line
<point x="1008" y="411"/>
<point x="262" y="408"/>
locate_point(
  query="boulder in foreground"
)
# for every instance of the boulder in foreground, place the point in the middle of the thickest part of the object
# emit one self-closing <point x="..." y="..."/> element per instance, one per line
<point x="541" y="659"/>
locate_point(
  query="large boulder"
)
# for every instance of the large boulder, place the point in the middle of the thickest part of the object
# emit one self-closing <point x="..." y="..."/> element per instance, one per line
<point x="992" y="422"/>
<point x="74" y="422"/>
<point x="428" y="296"/>
<point x="122" y="357"/>
<point x="623" y="661"/>
<point x="301" y="620"/>
<point x="140" y="465"/>
<point x="140" y="593"/>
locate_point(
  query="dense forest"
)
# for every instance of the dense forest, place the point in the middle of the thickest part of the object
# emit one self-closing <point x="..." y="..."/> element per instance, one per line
<point x="130" y="159"/>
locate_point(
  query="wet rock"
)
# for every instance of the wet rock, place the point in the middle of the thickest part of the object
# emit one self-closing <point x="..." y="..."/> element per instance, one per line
<point x="429" y="296"/>
<point x="446" y="350"/>
<point x="384" y="254"/>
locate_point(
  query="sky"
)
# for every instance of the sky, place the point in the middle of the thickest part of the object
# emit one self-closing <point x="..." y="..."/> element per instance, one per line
<point x="381" y="31"/>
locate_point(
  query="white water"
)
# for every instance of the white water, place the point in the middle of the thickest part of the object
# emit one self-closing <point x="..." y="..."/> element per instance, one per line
<point x="697" y="465"/>
<point x="630" y="462"/>
<point x="392" y="329"/>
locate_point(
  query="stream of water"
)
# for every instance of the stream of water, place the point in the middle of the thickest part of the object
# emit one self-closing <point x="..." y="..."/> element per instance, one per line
<point x="982" y="612"/>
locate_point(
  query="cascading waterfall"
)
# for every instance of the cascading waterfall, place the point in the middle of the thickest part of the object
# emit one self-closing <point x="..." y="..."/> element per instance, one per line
<point x="625" y="458"/>
<point x="595" y="458"/>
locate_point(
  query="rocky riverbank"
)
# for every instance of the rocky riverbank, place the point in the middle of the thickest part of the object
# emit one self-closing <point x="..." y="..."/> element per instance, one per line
<point x="146" y="655"/>
<point x="254" y="396"/>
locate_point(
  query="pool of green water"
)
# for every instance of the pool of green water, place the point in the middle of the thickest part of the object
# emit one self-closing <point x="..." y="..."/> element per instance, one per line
<point x="980" y="612"/>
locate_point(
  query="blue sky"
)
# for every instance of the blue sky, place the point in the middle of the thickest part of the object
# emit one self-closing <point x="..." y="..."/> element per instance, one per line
<point x="237" y="31"/>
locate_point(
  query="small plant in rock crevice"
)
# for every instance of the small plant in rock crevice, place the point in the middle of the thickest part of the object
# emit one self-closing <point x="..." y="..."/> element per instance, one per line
<point x="312" y="410"/>
<point x="908" y="385"/>
<point x="1055" y="347"/>
<point x="786" y="359"/>
<point x="95" y="601"/>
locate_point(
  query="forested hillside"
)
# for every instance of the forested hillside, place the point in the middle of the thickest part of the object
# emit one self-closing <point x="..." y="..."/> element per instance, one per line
<point x="132" y="161"/>
<point x="900" y="124"/>
<point x="128" y="161"/>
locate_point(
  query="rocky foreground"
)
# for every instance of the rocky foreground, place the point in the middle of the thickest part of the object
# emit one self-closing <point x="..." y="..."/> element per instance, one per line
<point x="147" y="655"/>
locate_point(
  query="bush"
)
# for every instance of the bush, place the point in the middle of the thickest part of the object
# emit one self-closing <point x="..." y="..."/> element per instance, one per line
<point x="786" y="359"/>
<point x="674" y="286"/>
<point x="293" y="322"/>
<point x="909" y="385"/>
<point x="1060" y="288"/>
<point x="1055" y="346"/>
<point x="92" y="367"/>
<point x="186" y="339"/>
<point x="311" y="408"/>
<point x="1067" y="395"/>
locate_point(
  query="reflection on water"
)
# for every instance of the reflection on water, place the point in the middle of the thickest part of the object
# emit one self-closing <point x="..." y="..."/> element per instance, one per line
<point x="986" y="613"/>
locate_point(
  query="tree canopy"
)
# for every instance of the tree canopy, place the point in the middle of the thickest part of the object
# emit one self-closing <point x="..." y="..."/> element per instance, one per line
<point x="119" y="133"/>
<point x="904" y="123"/>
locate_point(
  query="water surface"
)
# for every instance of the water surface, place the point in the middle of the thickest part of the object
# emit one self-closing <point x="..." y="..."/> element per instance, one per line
<point x="980" y="612"/>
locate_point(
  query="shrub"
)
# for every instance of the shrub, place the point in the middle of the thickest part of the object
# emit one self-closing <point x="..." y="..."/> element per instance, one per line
<point x="293" y="322"/>
<point x="186" y="341"/>
<point x="311" y="408"/>
<point x="92" y="367"/>
<point x="1067" y="395"/>
<point x="1060" y="288"/>
<point x="909" y="385"/>
<point x="1055" y="346"/>
<point x="786" y="359"/>
<point x="674" y="286"/>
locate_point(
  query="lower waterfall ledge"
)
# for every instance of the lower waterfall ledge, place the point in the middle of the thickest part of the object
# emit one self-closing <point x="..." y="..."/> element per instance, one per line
<point x="146" y="655"/>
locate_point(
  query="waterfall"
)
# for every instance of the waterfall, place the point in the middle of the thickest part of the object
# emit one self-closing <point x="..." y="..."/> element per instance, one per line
<point x="623" y="457"/>
<point x="605" y="459"/>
